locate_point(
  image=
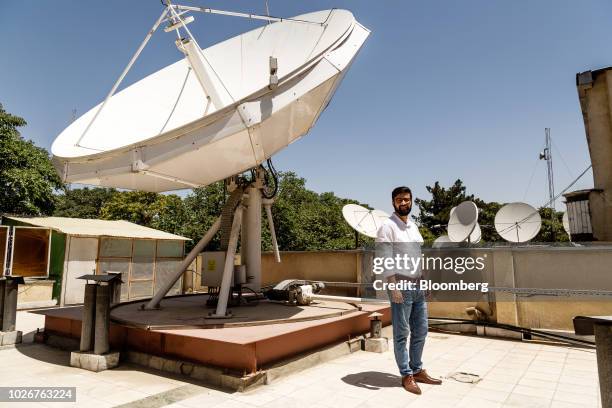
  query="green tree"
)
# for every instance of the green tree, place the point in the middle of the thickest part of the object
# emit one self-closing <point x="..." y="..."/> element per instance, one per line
<point x="546" y="232"/>
<point x="170" y="215"/>
<point x="304" y="219"/>
<point x="83" y="202"/>
<point x="202" y="207"/>
<point x="164" y="212"/>
<point x="27" y="177"/>
<point x="486" y="219"/>
<point x="307" y="221"/>
<point x="434" y="213"/>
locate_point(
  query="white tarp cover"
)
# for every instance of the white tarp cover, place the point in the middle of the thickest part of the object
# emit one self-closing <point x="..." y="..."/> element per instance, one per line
<point x="97" y="228"/>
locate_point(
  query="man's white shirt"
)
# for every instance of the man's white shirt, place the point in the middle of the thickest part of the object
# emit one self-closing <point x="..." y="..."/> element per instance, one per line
<point x="394" y="229"/>
<point x="396" y="237"/>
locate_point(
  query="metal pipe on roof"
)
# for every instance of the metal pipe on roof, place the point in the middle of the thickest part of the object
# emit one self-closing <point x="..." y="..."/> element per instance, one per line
<point x="228" y="269"/>
<point x="159" y="295"/>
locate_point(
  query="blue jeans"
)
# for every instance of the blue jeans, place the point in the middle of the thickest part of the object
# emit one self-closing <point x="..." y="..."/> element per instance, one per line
<point x="409" y="318"/>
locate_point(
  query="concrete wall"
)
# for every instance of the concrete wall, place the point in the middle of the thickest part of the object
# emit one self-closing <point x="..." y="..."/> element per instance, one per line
<point x="563" y="268"/>
<point x="337" y="266"/>
<point x="35" y="293"/>
<point x="331" y="266"/>
<point x="536" y="267"/>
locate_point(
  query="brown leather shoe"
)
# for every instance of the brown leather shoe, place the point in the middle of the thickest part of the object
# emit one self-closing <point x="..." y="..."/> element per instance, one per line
<point x="410" y="385"/>
<point x="424" y="378"/>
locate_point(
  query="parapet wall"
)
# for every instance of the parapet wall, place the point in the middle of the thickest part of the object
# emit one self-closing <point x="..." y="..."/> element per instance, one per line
<point x="575" y="268"/>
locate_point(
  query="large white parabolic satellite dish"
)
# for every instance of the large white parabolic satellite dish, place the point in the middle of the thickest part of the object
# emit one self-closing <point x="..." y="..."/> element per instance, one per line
<point x="175" y="129"/>
<point x="462" y="221"/>
<point x="517" y="222"/>
<point x="362" y="220"/>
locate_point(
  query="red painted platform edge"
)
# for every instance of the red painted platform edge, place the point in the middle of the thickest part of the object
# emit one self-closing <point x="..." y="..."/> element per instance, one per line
<point x="227" y="355"/>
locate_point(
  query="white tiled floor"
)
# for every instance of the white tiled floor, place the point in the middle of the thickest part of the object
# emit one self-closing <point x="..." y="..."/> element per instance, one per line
<point x="514" y="374"/>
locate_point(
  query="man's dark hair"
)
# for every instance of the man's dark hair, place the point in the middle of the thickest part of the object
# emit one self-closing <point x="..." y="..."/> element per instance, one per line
<point x="400" y="190"/>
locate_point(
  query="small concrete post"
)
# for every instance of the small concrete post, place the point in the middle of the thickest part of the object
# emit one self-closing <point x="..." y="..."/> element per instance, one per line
<point x="102" y="319"/>
<point x="9" y="286"/>
<point x="375" y="325"/>
<point x="2" y="286"/>
<point x="9" y="312"/>
<point x="603" y="343"/>
<point x="95" y="354"/>
<point x="89" y="313"/>
<point x="375" y="343"/>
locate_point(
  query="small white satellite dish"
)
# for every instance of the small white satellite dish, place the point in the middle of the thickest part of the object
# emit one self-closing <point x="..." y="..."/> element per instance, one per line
<point x="518" y="222"/>
<point x="463" y="219"/>
<point x="566" y="224"/>
<point x="476" y="234"/>
<point x="362" y="220"/>
<point x="442" y="241"/>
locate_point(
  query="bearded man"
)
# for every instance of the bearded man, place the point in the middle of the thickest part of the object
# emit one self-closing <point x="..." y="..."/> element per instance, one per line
<point x="408" y="307"/>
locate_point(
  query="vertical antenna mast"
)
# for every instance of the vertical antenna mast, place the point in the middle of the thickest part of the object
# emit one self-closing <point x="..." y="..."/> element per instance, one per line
<point x="547" y="155"/>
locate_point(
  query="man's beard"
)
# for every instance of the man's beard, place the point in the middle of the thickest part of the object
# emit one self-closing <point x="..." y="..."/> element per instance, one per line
<point x="403" y="211"/>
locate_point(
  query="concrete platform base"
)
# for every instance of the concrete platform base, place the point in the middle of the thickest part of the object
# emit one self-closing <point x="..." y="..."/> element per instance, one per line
<point x="255" y="338"/>
<point x="235" y="381"/>
<point x="217" y="376"/>
<point x="10" y="338"/>
<point x="94" y="362"/>
<point x="379" y="345"/>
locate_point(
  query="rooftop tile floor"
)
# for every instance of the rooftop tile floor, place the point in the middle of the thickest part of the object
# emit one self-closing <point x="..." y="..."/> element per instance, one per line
<point x="512" y="374"/>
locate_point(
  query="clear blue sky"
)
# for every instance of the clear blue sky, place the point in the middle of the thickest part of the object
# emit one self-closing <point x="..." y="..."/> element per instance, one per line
<point x="441" y="90"/>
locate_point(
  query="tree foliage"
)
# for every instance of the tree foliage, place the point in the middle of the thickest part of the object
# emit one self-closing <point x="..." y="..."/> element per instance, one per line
<point x="548" y="223"/>
<point x="164" y="212"/>
<point x="436" y="212"/>
<point x="27" y="177"/>
<point x="307" y="221"/>
<point x="202" y="207"/>
<point x="304" y="220"/>
<point x="83" y="202"/>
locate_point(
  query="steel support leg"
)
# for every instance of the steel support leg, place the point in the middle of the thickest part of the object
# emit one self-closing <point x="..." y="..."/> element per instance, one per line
<point x="159" y="295"/>
<point x="268" y="207"/>
<point x="253" y="239"/>
<point x="228" y="270"/>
